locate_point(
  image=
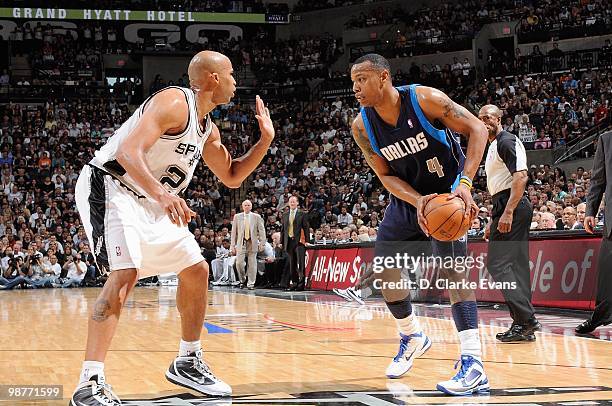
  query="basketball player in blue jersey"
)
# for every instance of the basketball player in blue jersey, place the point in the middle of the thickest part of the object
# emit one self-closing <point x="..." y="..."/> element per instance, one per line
<point x="407" y="137"/>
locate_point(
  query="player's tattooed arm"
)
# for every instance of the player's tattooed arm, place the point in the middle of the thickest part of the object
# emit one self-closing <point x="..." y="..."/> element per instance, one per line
<point x="452" y="109"/>
<point x="379" y="165"/>
<point x="364" y="144"/>
<point x="437" y="106"/>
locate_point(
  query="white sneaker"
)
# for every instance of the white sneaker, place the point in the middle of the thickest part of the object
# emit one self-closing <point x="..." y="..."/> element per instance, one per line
<point x="193" y="373"/>
<point x="470" y="379"/>
<point x="355" y="294"/>
<point x="411" y="347"/>
<point x="95" y="392"/>
<point x="343" y="294"/>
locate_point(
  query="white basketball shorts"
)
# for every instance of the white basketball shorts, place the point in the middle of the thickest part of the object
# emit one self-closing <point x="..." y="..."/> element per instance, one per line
<point x="127" y="231"/>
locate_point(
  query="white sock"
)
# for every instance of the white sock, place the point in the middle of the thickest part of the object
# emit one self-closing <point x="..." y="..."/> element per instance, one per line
<point x="91" y="368"/>
<point x="409" y="325"/>
<point x="470" y="343"/>
<point x="187" y="347"/>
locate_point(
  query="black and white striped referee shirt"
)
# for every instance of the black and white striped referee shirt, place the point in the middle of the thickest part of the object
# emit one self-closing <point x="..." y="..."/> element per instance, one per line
<point x="506" y="155"/>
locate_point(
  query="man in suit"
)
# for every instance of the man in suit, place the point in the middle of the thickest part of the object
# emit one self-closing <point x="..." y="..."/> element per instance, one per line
<point x="248" y="237"/>
<point x="601" y="181"/>
<point x="295" y="229"/>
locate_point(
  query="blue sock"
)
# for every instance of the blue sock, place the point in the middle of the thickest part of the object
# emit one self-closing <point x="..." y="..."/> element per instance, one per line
<point x="465" y="315"/>
<point x="400" y="309"/>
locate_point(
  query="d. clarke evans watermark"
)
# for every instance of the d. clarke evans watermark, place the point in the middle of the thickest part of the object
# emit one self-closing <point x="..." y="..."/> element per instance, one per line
<point x="419" y="265"/>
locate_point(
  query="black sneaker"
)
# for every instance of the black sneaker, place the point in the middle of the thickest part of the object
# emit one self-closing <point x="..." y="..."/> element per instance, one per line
<point x="193" y="373"/>
<point x="517" y="333"/>
<point x="520" y="332"/>
<point x="504" y="333"/>
<point x="94" y="392"/>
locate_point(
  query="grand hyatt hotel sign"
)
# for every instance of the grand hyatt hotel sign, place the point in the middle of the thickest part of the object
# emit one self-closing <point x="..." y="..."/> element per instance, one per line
<point x="137" y="15"/>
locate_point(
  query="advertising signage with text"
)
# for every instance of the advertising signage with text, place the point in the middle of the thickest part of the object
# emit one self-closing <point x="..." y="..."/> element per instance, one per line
<point x="138" y="15"/>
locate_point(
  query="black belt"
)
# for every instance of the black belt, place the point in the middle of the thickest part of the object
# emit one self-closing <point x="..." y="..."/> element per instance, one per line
<point x="504" y="193"/>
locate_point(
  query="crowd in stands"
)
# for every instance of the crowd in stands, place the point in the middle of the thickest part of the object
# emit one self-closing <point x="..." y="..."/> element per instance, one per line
<point x="451" y="25"/>
<point x="43" y="148"/>
<point x="303" y="58"/>
<point x="75" y="56"/>
<point x="577" y="17"/>
<point x="549" y="110"/>
<point x="313" y="157"/>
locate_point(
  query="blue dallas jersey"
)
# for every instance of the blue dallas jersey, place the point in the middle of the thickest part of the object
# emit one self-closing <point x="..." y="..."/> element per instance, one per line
<point x="428" y="159"/>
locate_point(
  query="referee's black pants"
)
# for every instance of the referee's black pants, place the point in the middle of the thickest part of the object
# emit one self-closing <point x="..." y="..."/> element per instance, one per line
<point x="508" y="256"/>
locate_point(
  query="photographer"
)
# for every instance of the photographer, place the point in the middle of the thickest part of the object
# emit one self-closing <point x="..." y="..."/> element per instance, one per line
<point x="75" y="271"/>
<point x="15" y="274"/>
<point x="34" y="266"/>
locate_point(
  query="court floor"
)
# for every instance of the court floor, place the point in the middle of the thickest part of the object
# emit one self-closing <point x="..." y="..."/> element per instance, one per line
<point x="295" y="349"/>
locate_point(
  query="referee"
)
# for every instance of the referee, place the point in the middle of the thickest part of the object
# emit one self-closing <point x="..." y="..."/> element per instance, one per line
<point x="508" y="257"/>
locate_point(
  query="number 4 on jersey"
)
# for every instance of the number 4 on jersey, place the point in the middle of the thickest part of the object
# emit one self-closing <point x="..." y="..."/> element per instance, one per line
<point x="433" y="165"/>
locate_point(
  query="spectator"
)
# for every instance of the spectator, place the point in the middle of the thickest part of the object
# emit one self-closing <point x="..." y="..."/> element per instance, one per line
<point x="547" y="221"/>
<point x="75" y="271"/>
<point x="344" y="218"/>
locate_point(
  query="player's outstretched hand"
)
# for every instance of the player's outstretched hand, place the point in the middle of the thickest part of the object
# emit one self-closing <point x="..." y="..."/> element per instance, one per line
<point x="466" y="195"/>
<point x="589" y="224"/>
<point x="263" y="116"/>
<point x="421" y="203"/>
<point x="176" y="208"/>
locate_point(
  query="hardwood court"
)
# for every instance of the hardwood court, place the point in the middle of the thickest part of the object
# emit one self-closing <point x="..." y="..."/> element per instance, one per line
<point x="275" y="350"/>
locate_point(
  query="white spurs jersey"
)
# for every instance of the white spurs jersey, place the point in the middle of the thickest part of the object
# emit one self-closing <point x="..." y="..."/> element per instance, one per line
<point x="172" y="159"/>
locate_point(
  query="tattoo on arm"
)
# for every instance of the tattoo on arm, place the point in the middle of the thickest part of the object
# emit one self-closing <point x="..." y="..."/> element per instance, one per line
<point x="451" y="108"/>
<point x="364" y="144"/>
<point x="101" y="310"/>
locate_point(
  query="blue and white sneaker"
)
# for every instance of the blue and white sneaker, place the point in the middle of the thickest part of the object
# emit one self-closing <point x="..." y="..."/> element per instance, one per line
<point x="411" y="346"/>
<point x="470" y="379"/>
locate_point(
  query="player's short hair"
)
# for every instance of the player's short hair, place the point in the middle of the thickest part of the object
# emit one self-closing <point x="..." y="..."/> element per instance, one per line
<point x="378" y="61"/>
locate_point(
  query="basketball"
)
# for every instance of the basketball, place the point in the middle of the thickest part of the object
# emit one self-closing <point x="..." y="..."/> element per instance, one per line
<point x="445" y="218"/>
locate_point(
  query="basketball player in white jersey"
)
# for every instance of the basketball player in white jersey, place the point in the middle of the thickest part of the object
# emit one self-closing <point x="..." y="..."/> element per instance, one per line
<point x="128" y="199"/>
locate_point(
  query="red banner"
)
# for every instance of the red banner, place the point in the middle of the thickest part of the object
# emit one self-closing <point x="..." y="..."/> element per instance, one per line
<point x="334" y="268"/>
<point x="563" y="272"/>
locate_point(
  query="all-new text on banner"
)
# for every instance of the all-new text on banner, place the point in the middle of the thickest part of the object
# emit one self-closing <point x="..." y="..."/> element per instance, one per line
<point x="130" y="15"/>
